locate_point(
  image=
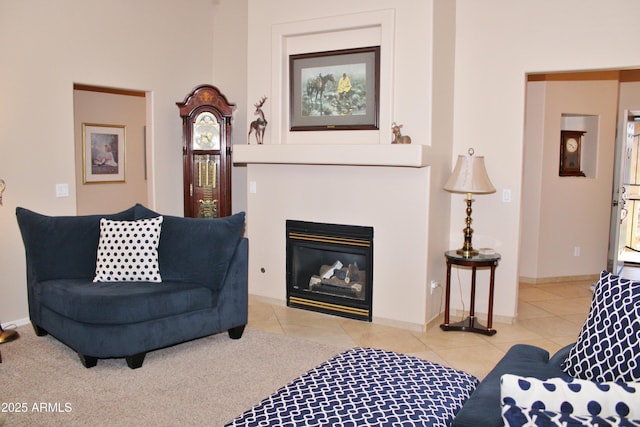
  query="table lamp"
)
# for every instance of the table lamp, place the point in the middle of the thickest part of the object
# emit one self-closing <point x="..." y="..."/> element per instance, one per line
<point x="469" y="176"/>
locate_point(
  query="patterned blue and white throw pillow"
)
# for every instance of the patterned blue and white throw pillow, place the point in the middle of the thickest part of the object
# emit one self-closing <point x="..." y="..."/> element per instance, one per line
<point x="608" y="346"/>
<point x="128" y="251"/>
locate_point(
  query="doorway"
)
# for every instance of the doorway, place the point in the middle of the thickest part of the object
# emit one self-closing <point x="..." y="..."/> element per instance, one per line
<point x="624" y="230"/>
<point x="565" y="218"/>
<point x="629" y="233"/>
<point x="108" y="108"/>
<point x="567" y="223"/>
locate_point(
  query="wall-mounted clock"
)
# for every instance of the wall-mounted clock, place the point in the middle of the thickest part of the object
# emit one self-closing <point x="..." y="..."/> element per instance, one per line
<point x="570" y="152"/>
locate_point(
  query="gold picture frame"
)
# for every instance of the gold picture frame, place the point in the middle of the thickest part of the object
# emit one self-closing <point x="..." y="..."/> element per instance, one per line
<point x="103" y="153"/>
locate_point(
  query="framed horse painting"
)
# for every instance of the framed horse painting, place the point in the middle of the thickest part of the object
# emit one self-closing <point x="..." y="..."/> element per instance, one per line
<point x="335" y="90"/>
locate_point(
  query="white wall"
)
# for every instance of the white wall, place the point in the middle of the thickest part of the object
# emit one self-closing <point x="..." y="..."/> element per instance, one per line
<point x="394" y="200"/>
<point x="410" y="55"/>
<point x="555" y="220"/>
<point x="168" y="47"/>
<point x="532" y="180"/>
<point x="629" y="97"/>
<point x="163" y="47"/>
<point x="115" y="109"/>
<point x="351" y="195"/>
<point x="441" y="127"/>
<point x="497" y="43"/>
<point x="230" y="32"/>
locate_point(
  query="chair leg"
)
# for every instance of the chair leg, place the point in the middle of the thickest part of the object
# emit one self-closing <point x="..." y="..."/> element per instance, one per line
<point x="236" y="333"/>
<point x="135" y="361"/>
<point x="88" y="361"/>
<point x="39" y="331"/>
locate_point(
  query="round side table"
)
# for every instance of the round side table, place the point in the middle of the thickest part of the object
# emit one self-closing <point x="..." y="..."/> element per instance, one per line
<point x="470" y="324"/>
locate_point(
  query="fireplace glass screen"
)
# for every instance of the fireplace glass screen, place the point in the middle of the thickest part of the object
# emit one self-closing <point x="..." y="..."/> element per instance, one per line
<point x="329" y="268"/>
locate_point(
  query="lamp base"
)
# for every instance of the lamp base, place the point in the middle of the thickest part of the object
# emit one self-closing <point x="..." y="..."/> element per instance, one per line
<point x="467" y="253"/>
<point x="467" y="250"/>
<point x="6" y="336"/>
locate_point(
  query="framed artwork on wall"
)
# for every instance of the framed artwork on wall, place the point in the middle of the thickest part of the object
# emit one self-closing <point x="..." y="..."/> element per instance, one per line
<point x="335" y="90"/>
<point x="103" y="153"/>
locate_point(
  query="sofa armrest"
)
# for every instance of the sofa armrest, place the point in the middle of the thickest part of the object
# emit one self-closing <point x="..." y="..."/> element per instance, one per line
<point x="483" y="408"/>
<point x="233" y="302"/>
<point x="560" y="356"/>
<point x="197" y="250"/>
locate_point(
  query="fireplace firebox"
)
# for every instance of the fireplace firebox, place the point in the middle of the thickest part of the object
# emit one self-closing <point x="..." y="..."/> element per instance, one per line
<point x="330" y="268"/>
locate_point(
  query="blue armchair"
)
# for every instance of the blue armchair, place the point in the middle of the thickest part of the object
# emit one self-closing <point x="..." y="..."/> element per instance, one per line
<point x="203" y="267"/>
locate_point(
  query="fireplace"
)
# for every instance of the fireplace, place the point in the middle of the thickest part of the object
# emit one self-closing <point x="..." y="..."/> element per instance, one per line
<point x="330" y="268"/>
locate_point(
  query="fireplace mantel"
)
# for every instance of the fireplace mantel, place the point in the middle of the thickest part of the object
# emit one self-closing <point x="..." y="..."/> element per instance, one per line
<point x="409" y="155"/>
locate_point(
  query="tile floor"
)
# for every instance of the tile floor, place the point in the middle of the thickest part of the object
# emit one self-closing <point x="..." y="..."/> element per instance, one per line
<point x="549" y="316"/>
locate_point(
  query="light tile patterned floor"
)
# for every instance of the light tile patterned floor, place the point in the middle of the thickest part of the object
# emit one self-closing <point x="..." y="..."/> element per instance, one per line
<point x="549" y="316"/>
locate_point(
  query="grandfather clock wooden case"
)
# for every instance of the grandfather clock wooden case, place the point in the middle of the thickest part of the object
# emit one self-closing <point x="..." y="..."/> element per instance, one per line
<point x="206" y="151"/>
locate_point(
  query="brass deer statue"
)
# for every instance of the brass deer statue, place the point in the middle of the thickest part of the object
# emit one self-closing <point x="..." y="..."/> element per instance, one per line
<point x="259" y="124"/>
<point x="398" y="138"/>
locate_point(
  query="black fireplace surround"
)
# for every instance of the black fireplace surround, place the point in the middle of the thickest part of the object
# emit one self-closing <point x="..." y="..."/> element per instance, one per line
<point x="330" y="268"/>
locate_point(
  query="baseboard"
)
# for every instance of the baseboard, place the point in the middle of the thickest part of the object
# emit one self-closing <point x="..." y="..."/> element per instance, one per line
<point x="558" y="279"/>
<point x="400" y="324"/>
<point x="267" y="300"/>
<point x="482" y="317"/>
<point x="435" y="322"/>
<point x="377" y="320"/>
<point x="16" y="323"/>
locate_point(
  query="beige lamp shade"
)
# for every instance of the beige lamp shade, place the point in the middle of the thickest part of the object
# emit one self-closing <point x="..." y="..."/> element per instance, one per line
<point x="470" y="176"/>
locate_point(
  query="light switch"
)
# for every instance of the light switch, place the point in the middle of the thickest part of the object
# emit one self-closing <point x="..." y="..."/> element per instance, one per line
<point x="62" y="190"/>
<point x="252" y="187"/>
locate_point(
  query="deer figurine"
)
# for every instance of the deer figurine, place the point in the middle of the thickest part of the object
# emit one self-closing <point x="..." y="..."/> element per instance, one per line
<point x="259" y="124"/>
<point x="398" y="138"/>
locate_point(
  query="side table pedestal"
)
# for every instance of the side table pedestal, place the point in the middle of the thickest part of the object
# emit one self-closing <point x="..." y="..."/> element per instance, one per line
<point x="471" y="323"/>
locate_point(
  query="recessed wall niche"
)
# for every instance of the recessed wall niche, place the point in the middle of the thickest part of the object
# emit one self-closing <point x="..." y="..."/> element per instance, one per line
<point x="589" y="149"/>
<point x="374" y="28"/>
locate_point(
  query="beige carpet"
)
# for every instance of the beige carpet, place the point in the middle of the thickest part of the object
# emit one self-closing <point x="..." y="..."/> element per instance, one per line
<point x="206" y="382"/>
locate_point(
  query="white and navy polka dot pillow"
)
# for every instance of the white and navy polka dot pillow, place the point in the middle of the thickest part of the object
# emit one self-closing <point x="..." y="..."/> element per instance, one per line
<point x="567" y="401"/>
<point x="128" y="251"/>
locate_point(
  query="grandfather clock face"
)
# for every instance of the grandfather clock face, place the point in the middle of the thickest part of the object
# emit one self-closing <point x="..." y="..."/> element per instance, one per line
<point x="206" y="132"/>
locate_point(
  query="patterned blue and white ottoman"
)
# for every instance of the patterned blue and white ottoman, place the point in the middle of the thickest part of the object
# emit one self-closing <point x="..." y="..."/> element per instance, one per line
<point x="366" y="387"/>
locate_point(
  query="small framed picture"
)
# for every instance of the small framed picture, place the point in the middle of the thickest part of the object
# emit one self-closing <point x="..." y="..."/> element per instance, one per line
<point x="103" y="153"/>
<point x="335" y="90"/>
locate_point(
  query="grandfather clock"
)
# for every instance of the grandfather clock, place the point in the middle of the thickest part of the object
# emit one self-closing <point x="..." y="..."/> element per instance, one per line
<point x="206" y="152"/>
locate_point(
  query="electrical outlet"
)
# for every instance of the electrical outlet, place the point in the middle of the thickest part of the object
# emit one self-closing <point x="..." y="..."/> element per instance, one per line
<point x="576" y="251"/>
<point x="434" y="285"/>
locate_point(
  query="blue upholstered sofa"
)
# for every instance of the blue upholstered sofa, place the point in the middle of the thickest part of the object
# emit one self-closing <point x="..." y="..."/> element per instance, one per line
<point x="595" y="381"/>
<point x="202" y="287"/>
<point x="483" y="408"/>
